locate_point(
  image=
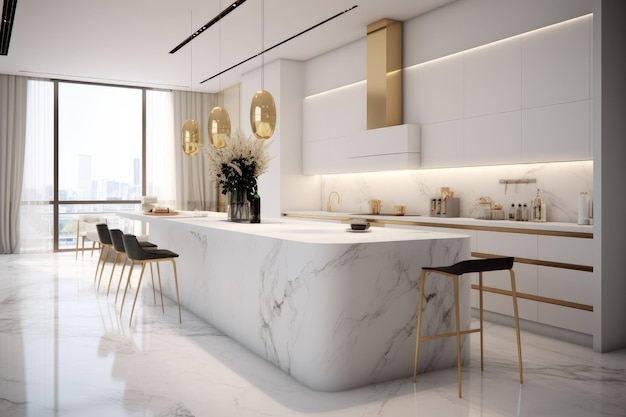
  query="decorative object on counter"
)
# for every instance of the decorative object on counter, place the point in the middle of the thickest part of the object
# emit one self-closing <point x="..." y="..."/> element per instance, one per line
<point x="516" y="182"/>
<point x="512" y="212"/>
<point x="483" y="208"/>
<point x="359" y="225"/>
<point x="148" y="202"/>
<point x="399" y="210"/>
<point x="375" y="206"/>
<point x="539" y="209"/>
<point x="329" y="206"/>
<point x="236" y="167"/>
<point x="255" y="208"/>
<point x="497" y="212"/>
<point x="161" y="211"/>
<point x="584" y="203"/>
<point x="238" y="205"/>
<point x="444" y="205"/>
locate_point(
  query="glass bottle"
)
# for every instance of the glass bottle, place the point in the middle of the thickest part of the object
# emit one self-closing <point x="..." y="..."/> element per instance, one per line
<point x="518" y="213"/>
<point x="255" y="208"/>
<point x="525" y="213"/>
<point x="539" y="209"/>
<point x="512" y="212"/>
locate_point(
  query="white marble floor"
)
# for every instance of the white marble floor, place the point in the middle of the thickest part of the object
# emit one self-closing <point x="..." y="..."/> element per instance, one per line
<point x="65" y="352"/>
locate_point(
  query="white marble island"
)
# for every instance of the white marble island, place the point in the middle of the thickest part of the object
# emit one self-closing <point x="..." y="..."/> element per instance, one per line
<point x="334" y="309"/>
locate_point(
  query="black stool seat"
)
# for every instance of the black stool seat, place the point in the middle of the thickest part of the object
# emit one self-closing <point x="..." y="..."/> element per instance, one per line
<point x="104" y="235"/>
<point x="118" y="245"/>
<point x="137" y="254"/>
<point x="455" y="271"/>
<point x="474" y="265"/>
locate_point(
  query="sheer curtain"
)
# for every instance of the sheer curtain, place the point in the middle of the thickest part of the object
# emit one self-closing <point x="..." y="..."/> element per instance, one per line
<point x="194" y="191"/>
<point x="12" y="142"/>
<point x="36" y="217"/>
<point x="160" y="148"/>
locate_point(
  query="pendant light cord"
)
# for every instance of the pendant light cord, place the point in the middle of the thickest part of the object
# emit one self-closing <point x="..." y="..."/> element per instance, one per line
<point x="262" y="44"/>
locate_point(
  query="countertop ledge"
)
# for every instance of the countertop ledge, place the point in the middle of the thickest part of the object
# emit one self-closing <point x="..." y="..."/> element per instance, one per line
<point x="461" y="222"/>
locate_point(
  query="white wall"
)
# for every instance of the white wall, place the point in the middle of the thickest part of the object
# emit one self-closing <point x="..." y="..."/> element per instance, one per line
<point x="282" y="187"/>
<point x="609" y="174"/>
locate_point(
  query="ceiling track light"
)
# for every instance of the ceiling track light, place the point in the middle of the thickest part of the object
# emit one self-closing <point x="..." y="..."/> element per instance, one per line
<point x="207" y="25"/>
<point x="281" y="42"/>
<point x="6" y="26"/>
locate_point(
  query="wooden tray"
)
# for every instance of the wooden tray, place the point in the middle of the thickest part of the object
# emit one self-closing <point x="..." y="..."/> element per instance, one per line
<point x="170" y="213"/>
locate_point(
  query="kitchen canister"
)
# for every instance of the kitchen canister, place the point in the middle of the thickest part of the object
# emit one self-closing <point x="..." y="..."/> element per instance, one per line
<point x="583" y="208"/>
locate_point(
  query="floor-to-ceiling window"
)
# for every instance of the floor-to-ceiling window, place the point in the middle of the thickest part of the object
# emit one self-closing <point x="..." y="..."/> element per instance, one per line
<point x="86" y="155"/>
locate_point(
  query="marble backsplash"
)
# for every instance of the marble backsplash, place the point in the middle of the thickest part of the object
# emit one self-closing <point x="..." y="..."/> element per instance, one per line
<point x="560" y="184"/>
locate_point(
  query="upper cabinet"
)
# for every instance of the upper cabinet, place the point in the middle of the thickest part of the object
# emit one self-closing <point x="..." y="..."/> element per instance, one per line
<point x="519" y="100"/>
<point x="335" y="138"/>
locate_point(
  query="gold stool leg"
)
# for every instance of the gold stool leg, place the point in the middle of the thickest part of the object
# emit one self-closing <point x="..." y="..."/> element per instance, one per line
<point x="419" y="323"/>
<point x="132" y="311"/>
<point x="480" y="302"/>
<point x="458" y="330"/>
<point x="119" y="283"/>
<point x="117" y="254"/>
<point x="100" y="259"/>
<point x="180" y="317"/>
<point x="106" y="251"/>
<point x="160" y="288"/>
<point x="515" y="313"/>
<point x="130" y="271"/>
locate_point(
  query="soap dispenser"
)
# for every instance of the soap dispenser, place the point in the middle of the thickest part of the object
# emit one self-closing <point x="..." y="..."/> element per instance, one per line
<point x="539" y="209"/>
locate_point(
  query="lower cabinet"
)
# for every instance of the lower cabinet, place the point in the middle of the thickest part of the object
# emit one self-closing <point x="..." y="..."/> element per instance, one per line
<point x="553" y="273"/>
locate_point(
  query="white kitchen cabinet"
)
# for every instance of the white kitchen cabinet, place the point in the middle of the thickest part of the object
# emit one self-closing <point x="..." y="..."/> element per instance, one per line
<point x="493" y="139"/>
<point x="567" y="318"/>
<point x="556" y="64"/>
<point x="492" y="79"/>
<point x="440" y="90"/>
<point x="442" y="144"/>
<point x="565" y="250"/>
<point x="560" y="132"/>
<point x="520" y="245"/>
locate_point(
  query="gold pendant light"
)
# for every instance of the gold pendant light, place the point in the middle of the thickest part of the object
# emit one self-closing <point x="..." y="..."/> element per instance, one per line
<point x="219" y="126"/>
<point x="219" y="119"/>
<point x="190" y="133"/>
<point x="263" y="107"/>
<point x="263" y="114"/>
<point x="190" y="137"/>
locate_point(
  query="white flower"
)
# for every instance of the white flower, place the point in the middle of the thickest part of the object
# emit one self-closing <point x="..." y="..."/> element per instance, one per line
<point x="239" y="162"/>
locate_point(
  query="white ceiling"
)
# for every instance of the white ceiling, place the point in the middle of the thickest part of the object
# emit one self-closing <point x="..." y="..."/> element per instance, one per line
<point x="128" y="41"/>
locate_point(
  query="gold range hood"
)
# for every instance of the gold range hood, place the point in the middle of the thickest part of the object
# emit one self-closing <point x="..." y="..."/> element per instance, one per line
<point x="387" y="143"/>
<point x="384" y="74"/>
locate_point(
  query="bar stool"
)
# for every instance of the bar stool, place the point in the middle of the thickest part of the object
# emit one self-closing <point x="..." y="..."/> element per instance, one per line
<point x="120" y="251"/>
<point x="137" y="254"/>
<point x="89" y="233"/>
<point x="106" y="245"/>
<point x="455" y="271"/>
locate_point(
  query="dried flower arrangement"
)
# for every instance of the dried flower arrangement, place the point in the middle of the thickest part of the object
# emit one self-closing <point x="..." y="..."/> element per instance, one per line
<point x="237" y="165"/>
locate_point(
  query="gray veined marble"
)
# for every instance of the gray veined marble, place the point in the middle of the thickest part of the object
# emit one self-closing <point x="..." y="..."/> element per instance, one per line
<point x="334" y="310"/>
<point x="65" y="351"/>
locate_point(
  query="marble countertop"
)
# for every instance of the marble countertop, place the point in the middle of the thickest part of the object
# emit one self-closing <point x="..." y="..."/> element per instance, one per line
<point x="293" y="229"/>
<point x="440" y="221"/>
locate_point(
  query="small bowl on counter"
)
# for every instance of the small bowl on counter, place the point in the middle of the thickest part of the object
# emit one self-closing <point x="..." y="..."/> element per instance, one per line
<point x="359" y="225"/>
